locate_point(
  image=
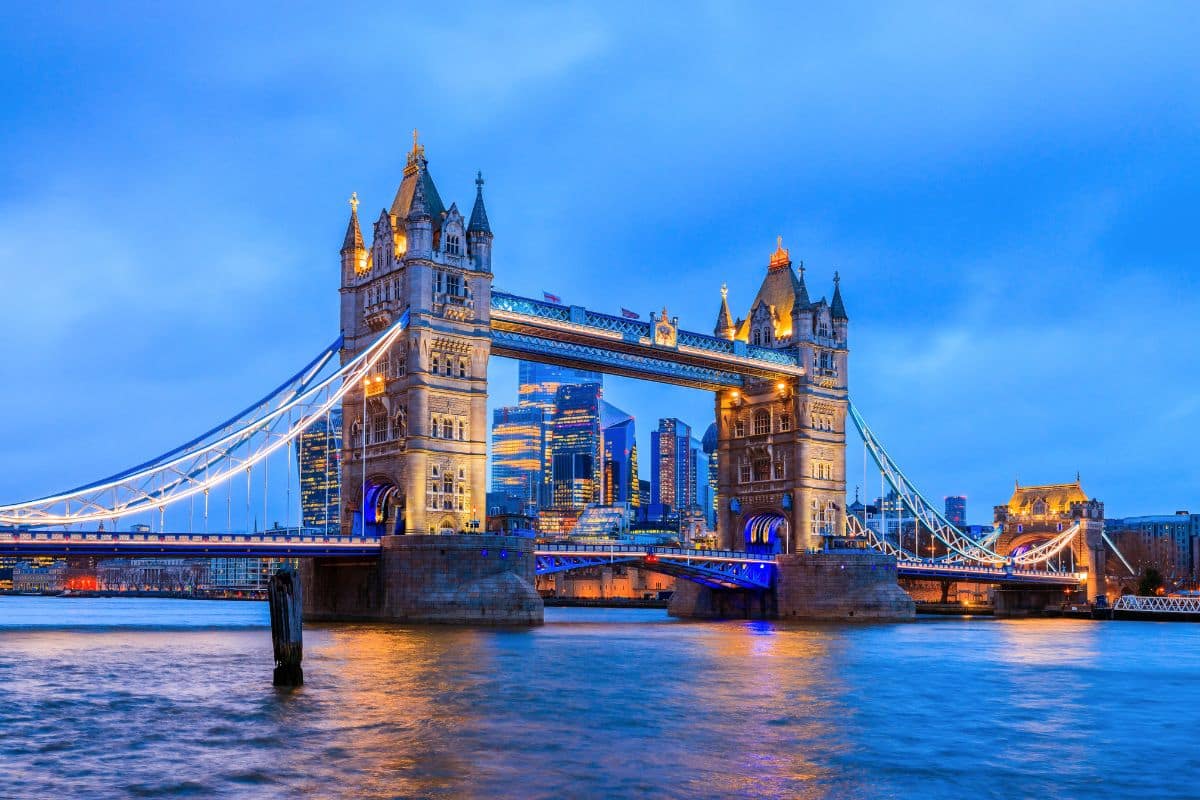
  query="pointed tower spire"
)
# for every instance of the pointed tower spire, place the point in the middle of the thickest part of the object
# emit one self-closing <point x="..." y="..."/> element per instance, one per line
<point x="802" y="300"/>
<point x="479" y="218"/>
<point x="837" y="308"/>
<point x="724" y="328"/>
<point x="353" y="239"/>
<point x="419" y="207"/>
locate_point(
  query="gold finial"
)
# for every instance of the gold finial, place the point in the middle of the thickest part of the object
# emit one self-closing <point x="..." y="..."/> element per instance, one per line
<point x="779" y="258"/>
<point x="414" y="140"/>
<point x="354" y="202"/>
<point x="724" y="291"/>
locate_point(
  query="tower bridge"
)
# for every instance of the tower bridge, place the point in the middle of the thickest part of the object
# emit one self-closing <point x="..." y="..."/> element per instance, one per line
<point x="419" y="322"/>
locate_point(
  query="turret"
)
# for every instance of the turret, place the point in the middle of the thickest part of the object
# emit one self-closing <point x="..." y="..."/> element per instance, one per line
<point x="802" y="311"/>
<point x="419" y="222"/>
<point x="354" y="252"/>
<point x="479" y="231"/>
<point x="838" y="310"/>
<point x="725" y="327"/>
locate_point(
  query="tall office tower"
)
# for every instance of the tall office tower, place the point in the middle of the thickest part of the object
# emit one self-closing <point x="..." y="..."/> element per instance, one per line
<point x="956" y="510"/>
<point x="710" y="458"/>
<point x="539" y="383"/>
<point x="698" y="475"/>
<point x="620" y="456"/>
<point x="318" y="457"/>
<point x="518" y="450"/>
<point x="672" y="478"/>
<point x="575" y="447"/>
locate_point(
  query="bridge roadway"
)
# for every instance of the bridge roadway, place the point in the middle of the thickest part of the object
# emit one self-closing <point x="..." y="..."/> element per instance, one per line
<point x="718" y="568"/>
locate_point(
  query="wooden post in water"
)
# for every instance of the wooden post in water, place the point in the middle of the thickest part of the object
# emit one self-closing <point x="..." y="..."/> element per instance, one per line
<point x="287" y="636"/>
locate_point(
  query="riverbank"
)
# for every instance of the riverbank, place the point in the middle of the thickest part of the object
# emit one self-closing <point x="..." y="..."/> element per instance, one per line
<point x="608" y="602"/>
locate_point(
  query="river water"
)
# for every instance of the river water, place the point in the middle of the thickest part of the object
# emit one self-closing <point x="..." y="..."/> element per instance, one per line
<point x="164" y="698"/>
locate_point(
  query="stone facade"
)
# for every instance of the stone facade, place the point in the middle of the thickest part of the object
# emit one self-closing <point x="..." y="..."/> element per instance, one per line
<point x="440" y="579"/>
<point x="781" y="463"/>
<point x="415" y="437"/>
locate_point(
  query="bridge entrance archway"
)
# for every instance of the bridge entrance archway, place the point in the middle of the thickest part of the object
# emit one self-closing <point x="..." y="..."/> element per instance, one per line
<point x="384" y="508"/>
<point x="766" y="533"/>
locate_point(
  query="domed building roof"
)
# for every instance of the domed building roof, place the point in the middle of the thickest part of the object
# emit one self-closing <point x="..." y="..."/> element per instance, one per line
<point x="709" y="442"/>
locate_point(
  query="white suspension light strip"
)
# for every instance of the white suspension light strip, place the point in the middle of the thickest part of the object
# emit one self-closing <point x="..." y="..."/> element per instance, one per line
<point x="183" y="469"/>
<point x="1048" y="549"/>
<point x="961" y="546"/>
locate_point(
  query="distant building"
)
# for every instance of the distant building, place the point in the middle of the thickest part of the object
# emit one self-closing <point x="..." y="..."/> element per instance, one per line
<point x="32" y="576"/>
<point x="518" y="452"/>
<point x="319" y="457"/>
<point x="672" y="472"/>
<point x="619" y="436"/>
<point x="538" y="388"/>
<point x="956" y="510"/>
<point x="709" y="445"/>
<point x="575" y="441"/>
<point x="1169" y="543"/>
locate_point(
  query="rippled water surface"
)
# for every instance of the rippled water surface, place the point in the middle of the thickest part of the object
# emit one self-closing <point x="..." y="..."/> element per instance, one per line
<point x="160" y="698"/>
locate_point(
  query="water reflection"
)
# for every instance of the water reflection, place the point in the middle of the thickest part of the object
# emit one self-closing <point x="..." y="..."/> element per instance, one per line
<point x="595" y="704"/>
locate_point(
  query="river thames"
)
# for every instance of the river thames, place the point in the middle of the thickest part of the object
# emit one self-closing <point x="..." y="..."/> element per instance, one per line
<point x="164" y="698"/>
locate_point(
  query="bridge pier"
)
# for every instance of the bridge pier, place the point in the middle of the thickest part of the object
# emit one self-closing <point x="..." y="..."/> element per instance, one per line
<point x="453" y="579"/>
<point x="287" y="636"/>
<point x="825" y="586"/>
<point x="1009" y="601"/>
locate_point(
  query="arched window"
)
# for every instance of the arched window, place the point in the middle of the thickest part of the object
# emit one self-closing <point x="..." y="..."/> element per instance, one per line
<point x="762" y="422"/>
<point x="356" y="434"/>
<point x="435" y="364"/>
<point x="756" y="337"/>
<point x="462" y="367"/>
<point x="435" y="427"/>
<point x="461" y="431"/>
<point x="400" y="424"/>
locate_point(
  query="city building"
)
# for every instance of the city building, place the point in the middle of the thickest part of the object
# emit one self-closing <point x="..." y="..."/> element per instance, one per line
<point x="710" y="448"/>
<point x="672" y="471"/>
<point x="519" y="452"/>
<point x="1166" y="542"/>
<point x="620" y="457"/>
<point x="956" y="510"/>
<point x="318" y="457"/>
<point x="575" y="447"/>
<point x="538" y="386"/>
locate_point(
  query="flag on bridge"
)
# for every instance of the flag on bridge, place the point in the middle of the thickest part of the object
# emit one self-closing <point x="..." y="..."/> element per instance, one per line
<point x="551" y="298"/>
<point x="627" y="314"/>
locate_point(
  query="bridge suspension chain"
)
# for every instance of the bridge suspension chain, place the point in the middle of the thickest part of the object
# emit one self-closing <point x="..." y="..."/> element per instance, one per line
<point x="213" y="458"/>
<point x="960" y="546"/>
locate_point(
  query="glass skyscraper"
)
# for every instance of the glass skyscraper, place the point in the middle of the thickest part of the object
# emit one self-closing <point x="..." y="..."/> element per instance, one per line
<point x="620" y="457"/>
<point x="518" y="452"/>
<point x="575" y="447"/>
<point x="672" y="467"/>
<point x="318" y="456"/>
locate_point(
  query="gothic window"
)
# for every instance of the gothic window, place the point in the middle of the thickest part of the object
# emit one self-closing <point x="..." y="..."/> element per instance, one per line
<point x="435" y="426"/>
<point x="438" y="282"/>
<point x="400" y="424"/>
<point x="739" y="428"/>
<point x="433" y="495"/>
<point x="762" y="469"/>
<point x="814" y="518"/>
<point x="355" y="434"/>
<point x="762" y="422"/>
<point x="780" y="469"/>
<point x="453" y="244"/>
<point x="756" y="337"/>
<point x="785" y="422"/>
<point x="379" y="426"/>
<point x="743" y="471"/>
<point x="823" y="328"/>
<point x="462" y="368"/>
<point x="461" y="432"/>
<point x="454" y="284"/>
<point x="435" y="363"/>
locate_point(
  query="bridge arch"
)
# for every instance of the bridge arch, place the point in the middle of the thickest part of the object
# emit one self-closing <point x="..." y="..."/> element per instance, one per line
<point x="383" y="514"/>
<point x="766" y="532"/>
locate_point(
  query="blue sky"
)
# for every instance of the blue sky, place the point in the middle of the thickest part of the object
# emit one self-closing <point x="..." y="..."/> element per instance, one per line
<point x="1008" y="190"/>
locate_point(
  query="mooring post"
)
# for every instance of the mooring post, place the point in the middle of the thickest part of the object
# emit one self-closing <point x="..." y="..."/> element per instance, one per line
<point x="287" y="635"/>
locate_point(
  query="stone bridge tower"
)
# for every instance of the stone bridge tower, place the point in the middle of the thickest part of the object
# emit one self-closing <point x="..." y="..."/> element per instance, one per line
<point x="415" y="437"/>
<point x="782" y="445"/>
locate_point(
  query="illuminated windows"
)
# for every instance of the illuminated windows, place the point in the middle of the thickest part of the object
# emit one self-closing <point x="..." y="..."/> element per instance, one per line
<point x="739" y="428"/>
<point x="762" y="422"/>
<point x="743" y="470"/>
<point x="785" y="423"/>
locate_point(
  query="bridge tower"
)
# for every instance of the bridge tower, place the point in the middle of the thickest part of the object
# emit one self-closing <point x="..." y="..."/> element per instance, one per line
<point x="782" y="445"/>
<point x="415" y="436"/>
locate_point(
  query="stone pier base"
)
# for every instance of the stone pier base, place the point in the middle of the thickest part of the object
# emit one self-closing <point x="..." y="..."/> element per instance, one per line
<point x="455" y="579"/>
<point x="854" y="585"/>
<point x="1011" y="602"/>
<point x="831" y="586"/>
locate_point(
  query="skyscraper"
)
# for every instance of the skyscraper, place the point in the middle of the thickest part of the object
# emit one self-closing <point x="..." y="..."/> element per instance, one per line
<point x="518" y="450"/>
<point x="710" y="451"/>
<point x="620" y="456"/>
<point x="956" y="510"/>
<point x="575" y="447"/>
<point x="539" y="385"/>
<point x="320" y="489"/>
<point x="672" y="473"/>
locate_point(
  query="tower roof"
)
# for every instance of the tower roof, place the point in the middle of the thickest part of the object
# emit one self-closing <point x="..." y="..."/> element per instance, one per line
<point x="781" y="290"/>
<point x="416" y="173"/>
<point x="353" y="239"/>
<point x="479" y="218"/>
<point x="1057" y="496"/>
<point x="837" y="307"/>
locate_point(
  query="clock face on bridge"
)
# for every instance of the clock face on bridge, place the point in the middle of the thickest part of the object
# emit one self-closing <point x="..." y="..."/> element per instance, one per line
<point x="665" y="334"/>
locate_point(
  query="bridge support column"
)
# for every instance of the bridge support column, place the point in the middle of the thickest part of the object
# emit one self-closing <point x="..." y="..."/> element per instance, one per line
<point x="833" y="585"/>
<point x="284" y="597"/>
<point x="1026" y="602"/>
<point x="455" y="579"/>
